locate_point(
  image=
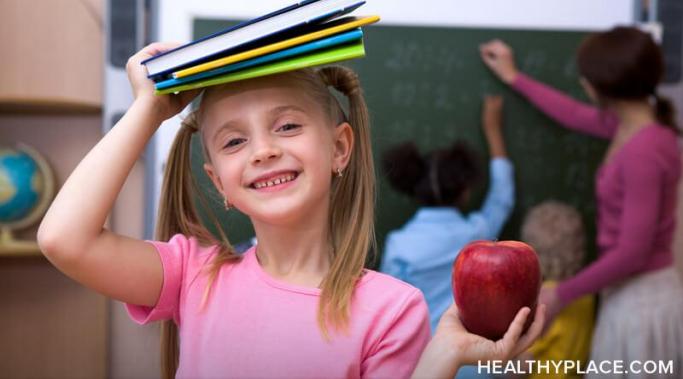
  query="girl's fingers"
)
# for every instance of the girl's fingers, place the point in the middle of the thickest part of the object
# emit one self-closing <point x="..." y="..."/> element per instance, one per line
<point x="514" y="331"/>
<point x="134" y="62"/>
<point x="451" y="318"/>
<point x="534" y="330"/>
<point x="153" y="49"/>
<point x="159" y="47"/>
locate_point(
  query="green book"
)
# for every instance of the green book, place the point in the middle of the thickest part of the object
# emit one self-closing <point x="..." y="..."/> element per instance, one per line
<point x="332" y="55"/>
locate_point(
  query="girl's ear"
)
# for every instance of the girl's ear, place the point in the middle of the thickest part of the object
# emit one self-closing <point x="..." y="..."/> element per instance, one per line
<point x="589" y="89"/>
<point x="343" y="146"/>
<point x="210" y="171"/>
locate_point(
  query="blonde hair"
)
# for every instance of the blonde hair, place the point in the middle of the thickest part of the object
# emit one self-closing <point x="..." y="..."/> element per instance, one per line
<point x="352" y="199"/>
<point x="555" y="230"/>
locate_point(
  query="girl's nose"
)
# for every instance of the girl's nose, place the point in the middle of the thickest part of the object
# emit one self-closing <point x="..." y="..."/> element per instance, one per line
<point x="265" y="150"/>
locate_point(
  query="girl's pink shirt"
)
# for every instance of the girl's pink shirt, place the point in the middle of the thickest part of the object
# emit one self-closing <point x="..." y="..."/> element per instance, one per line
<point x="255" y="326"/>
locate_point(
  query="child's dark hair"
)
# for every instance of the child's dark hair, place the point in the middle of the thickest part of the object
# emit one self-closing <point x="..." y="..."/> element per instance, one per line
<point x="439" y="178"/>
<point x="626" y="63"/>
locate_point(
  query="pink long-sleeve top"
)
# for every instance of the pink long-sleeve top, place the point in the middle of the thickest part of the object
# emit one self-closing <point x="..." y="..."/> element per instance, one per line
<point x="635" y="192"/>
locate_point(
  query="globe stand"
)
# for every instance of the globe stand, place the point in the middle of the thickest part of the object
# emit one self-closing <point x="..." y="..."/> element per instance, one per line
<point x="10" y="246"/>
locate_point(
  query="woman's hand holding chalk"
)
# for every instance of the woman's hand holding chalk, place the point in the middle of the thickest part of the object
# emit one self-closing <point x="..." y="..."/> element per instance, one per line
<point x="498" y="56"/>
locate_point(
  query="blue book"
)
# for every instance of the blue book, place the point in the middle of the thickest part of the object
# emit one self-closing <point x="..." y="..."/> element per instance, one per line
<point x="320" y="44"/>
<point x="296" y="15"/>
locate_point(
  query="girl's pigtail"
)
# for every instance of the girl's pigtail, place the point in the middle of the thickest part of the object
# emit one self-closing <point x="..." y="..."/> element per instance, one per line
<point x="178" y="215"/>
<point x="175" y="217"/>
<point x="352" y="206"/>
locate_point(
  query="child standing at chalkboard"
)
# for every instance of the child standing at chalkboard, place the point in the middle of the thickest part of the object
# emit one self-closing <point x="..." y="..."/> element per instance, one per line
<point x="641" y="306"/>
<point x="282" y="150"/>
<point x="423" y="250"/>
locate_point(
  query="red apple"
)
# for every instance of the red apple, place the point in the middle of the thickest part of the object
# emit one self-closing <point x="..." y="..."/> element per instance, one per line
<point x="492" y="281"/>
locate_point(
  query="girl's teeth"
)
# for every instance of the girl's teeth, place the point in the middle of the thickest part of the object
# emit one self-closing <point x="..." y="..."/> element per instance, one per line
<point x="277" y="181"/>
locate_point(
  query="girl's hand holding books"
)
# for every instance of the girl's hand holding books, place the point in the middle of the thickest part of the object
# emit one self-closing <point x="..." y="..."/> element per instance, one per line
<point x="164" y="106"/>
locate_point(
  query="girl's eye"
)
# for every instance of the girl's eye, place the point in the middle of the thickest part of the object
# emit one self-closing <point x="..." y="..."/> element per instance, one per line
<point x="234" y="142"/>
<point x="289" y="127"/>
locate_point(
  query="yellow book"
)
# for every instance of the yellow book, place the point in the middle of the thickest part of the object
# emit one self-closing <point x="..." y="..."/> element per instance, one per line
<point x="343" y="26"/>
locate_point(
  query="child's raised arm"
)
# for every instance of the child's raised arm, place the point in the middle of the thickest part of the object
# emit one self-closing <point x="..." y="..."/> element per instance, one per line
<point x="72" y="234"/>
<point x="492" y="123"/>
<point x="500" y="196"/>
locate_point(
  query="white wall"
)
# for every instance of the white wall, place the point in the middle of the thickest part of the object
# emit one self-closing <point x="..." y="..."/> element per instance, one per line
<point x="176" y="15"/>
<point x="175" y="23"/>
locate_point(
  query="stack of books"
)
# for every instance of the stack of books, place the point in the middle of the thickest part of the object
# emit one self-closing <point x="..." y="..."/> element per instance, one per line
<point x="310" y="33"/>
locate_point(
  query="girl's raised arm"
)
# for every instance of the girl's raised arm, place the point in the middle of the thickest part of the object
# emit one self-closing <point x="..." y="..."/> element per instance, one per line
<point x="72" y="234"/>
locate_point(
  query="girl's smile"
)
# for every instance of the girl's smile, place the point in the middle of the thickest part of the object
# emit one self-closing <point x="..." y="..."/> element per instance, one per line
<point x="275" y="181"/>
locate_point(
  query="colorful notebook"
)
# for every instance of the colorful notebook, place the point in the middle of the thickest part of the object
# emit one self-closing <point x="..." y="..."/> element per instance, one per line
<point x="296" y="15"/>
<point x="317" y="58"/>
<point x="331" y="28"/>
<point x="324" y="43"/>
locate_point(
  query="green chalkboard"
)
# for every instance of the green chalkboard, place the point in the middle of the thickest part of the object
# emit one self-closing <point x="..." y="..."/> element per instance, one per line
<point x="426" y="84"/>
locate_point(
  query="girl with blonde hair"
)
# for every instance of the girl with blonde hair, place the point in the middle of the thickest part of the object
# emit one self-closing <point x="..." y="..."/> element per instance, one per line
<point x="299" y="304"/>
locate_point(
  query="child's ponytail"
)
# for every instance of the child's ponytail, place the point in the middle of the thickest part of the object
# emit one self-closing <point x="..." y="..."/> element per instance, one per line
<point x="178" y="215"/>
<point x="351" y="206"/>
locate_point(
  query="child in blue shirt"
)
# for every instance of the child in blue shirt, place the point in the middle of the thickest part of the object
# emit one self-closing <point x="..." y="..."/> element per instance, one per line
<point x="423" y="250"/>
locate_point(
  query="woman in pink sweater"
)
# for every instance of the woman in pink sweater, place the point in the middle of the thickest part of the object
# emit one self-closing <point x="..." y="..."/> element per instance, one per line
<point x="641" y="316"/>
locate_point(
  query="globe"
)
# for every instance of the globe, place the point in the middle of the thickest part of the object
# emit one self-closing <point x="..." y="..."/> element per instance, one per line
<point x="26" y="188"/>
